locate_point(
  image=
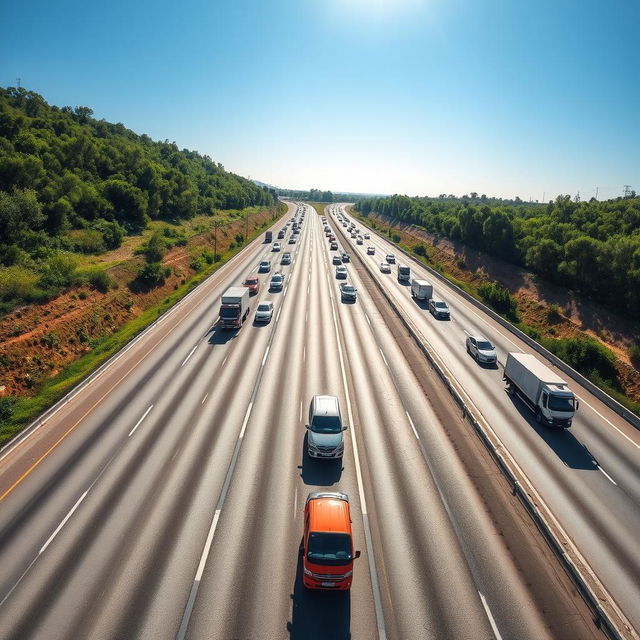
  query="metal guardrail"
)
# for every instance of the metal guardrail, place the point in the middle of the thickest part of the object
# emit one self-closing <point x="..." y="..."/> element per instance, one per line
<point x="604" y="397"/>
<point x="602" y="619"/>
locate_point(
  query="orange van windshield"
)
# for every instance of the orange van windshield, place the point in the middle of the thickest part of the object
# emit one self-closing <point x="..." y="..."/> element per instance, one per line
<point x="329" y="548"/>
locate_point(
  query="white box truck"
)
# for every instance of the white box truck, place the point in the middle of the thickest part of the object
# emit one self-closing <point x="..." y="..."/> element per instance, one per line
<point x="421" y="289"/>
<point x="542" y="390"/>
<point x="234" y="307"/>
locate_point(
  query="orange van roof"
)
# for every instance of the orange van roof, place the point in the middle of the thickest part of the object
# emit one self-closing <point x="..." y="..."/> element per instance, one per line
<point x="329" y="514"/>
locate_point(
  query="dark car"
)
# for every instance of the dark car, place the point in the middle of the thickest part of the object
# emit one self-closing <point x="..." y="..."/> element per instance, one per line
<point x="348" y="292"/>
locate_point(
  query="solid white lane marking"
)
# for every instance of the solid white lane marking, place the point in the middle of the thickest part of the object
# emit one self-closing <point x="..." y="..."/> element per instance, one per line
<point x="304" y="353"/>
<point x="278" y="314"/>
<point x="415" y="433"/>
<point x="284" y="293"/>
<point x="494" y="626"/>
<point x="139" y="421"/>
<point x="300" y="413"/>
<point x="607" y="476"/>
<point x="205" y="397"/>
<point x="64" y="521"/>
<point x="266" y="353"/>
<point x="190" y="354"/>
<point x="295" y="502"/>
<point x="373" y="572"/>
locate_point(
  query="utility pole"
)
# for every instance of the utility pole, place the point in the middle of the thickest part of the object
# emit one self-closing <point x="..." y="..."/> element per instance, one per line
<point x="18" y="82"/>
<point x="544" y="193"/>
<point x="597" y="188"/>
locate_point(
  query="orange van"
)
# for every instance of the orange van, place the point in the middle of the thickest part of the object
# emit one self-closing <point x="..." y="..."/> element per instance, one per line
<point x="328" y="542"/>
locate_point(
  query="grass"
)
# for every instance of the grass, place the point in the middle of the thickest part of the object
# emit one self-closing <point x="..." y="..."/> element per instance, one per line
<point x="25" y="409"/>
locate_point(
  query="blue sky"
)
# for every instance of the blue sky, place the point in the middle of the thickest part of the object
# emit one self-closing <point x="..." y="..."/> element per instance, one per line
<point x="503" y="97"/>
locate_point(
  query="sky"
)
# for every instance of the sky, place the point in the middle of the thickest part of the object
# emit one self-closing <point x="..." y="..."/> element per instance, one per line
<point x="421" y="97"/>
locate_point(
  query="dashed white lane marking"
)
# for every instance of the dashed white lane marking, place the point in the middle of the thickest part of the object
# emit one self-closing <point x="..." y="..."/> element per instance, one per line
<point x="494" y="626"/>
<point x="266" y="353"/>
<point x="140" y="421"/>
<point x="607" y="476"/>
<point x="415" y="433"/>
<point x="64" y="521"/>
<point x="278" y="314"/>
<point x="300" y="413"/>
<point x="205" y="397"/>
<point x="635" y="444"/>
<point x="367" y="318"/>
<point x="225" y="359"/>
<point x="385" y="360"/>
<point x="295" y="502"/>
<point x="190" y="354"/>
<point x="466" y="332"/>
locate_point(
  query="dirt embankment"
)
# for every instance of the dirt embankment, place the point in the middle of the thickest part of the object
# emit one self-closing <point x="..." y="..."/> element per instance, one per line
<point x="535" y="298"/>
<point x="37" y="341"/>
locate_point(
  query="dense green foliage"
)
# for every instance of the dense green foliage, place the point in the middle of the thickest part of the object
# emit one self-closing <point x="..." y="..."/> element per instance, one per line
<point x="586" y="355"/>
<point x="593" y="247"/>
<point x="60" y="170"/>
<point x="499" y="298"/>
<point x="70" y="183"/>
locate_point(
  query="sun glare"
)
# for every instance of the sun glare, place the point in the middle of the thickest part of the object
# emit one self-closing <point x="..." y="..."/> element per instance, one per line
<point x="377" y="7"/>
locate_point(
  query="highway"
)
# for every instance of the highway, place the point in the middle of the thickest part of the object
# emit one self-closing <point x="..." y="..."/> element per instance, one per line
<point x="165" y="498"/>
<point x="589" y="475"/>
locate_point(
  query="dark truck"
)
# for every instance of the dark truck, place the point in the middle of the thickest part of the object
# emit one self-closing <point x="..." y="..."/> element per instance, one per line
<point x="268" y="236"/>
<point x="234" y="307"/>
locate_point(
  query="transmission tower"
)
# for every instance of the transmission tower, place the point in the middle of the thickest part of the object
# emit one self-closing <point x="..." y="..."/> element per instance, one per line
<point x="627" y="190"/>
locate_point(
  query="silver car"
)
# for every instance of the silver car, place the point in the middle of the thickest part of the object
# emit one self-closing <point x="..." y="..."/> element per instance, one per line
<point x="482" y="350"/>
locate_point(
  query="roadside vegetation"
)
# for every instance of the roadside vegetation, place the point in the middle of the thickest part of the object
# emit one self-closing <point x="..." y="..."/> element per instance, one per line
<point x="72" y="186"/>
<point x="101" y="231"/>
<point x="546" y="324"/>
<point x="590" y="247"/>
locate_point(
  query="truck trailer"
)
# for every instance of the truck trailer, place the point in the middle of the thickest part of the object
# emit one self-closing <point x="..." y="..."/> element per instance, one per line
<point x="234" y="307"/>
<point x="542" y="390"/>
<point x="421" y="289"/>
<point x="268" y="236"/>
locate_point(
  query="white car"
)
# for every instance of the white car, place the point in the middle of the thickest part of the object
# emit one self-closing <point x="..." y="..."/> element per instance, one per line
<point x="264" y="312"/>
<point x="391" y="258"/>
<point x="277" y="282"/>
<point x="371" y="251"/>
<point x="385" y="268"/>
<point x="276" y="246"/>
<point x="482" y="350"/>
<point x="367" y="236"/>
<point x="341" y="273"/>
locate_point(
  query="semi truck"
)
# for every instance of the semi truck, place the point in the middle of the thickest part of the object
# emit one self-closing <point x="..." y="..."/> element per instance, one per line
<point x="268" y="236"/>
<point x="542" y="390"/>
<point x="421" y="289"/>
<point x="234" y="307"/>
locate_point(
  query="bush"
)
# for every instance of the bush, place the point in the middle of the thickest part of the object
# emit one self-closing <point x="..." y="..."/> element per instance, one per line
<point x="553" y="314"/>
<point x="586" y="355"/>
<point x="112" y="232"/>
<point x="634" y="356"/>
<point x="57" y="271"/>
<point x="7" y="405"/>
<point x="50" y="339"/>
<point x="155" y="248"/>
<point x="396" y="237"/>
<point x="96" y="277"/>
<point x="87" y="241"/>
<point x="17" y="283"/>
<point x="239" y="238"/>
<point x="499" y="298"/>
<point x="153" y="274"/>
<point x="196" y="264"/>
<point x="420" y="250"/>
<point x="208" y="256"/>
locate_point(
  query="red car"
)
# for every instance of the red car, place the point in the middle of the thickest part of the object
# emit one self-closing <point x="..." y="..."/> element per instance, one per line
<point x="253" y="283"/>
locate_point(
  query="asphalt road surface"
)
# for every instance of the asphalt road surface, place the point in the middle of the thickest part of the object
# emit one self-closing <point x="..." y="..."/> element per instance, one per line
<point x="164" y="498"/>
